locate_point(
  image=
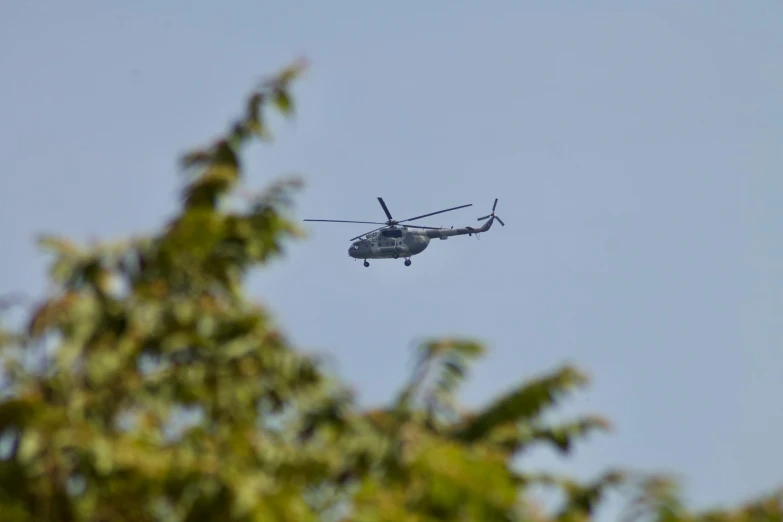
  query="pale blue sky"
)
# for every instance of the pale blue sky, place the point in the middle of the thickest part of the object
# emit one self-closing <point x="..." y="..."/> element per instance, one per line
<point x="635" y="149"/>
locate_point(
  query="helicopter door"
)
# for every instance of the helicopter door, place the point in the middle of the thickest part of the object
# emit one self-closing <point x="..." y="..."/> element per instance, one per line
<point x="386" y="245"/>
<point x="390" y="241"/>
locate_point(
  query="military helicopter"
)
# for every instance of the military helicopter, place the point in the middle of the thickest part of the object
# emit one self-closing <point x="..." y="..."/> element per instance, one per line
<point x="394" y="239"/>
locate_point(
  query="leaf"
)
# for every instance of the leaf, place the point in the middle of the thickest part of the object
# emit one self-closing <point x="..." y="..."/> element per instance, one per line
<point x="525" y="403"/>
<point x="561" y="436"/>
<point x="455" y="478"/>
<point x="654" y="494"/>
<point x="254" y="121"/>
<point x="454" y="354"/>
<point x="583" y="500"/>
<point x="16" y="412"/>
<point x="292" y="71"/>
<point x="59" y="245"/>
<point x="283" y="101"/>
<point x="453" y="371"/>
<point x="254" y="107"/>
<point x="205" y="191"/>
<point x="226" y="156"/>
<point x="30" y="446"/>
<point x="440" y="347"/>
<point x="197" y="158"/>
<point x="48" y="314"/>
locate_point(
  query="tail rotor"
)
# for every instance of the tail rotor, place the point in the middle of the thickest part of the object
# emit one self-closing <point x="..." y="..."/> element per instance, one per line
<point x="492" y="215"/>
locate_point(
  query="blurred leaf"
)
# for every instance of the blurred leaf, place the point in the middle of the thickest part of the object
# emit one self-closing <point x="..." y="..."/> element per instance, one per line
<point x="524" y="403"/>
<point x="220" y="176"/>
<point x="440" y="347"/>
<point x="197" y="158"/>
<point x="283" y="101"/>
<point x="59" y="245"/>
<point x="582" y="500"/>
<point x="292" y="71"/>
<point x="48" y="314"/>
<point x="254" y="119"/>
<point x="561" y="436"/>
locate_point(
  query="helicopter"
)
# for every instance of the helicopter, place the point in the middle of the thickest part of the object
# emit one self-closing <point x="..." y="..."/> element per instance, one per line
<point x="395" y="239"/>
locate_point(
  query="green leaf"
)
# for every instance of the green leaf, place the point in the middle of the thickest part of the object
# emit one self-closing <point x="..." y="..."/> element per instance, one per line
<point x="292" y="71"/>
<point x="283" y="101"/>
<point x="583" y="500"/>
<point x="58" y="244"/>
<point x="442" y="347"/>
<point x="30" y="447"/>
<point x="196" y="158"/>
<point x="254" y="105"/>
<point x="561" y="436"/>
<point x="522" y="404"/>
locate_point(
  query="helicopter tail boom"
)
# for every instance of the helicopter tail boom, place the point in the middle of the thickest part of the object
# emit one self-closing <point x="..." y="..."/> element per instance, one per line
<point x="445" y="233"/>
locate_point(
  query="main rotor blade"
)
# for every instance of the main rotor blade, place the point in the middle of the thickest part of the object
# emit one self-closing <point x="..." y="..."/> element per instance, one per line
<point x="342" y="221"/>
<point x="433" y="213"/>
<point x="385" y="209"/>
<point x="370" y="232"/>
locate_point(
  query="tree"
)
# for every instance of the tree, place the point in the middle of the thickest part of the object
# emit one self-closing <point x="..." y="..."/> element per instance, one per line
<point x="165" y="394"/>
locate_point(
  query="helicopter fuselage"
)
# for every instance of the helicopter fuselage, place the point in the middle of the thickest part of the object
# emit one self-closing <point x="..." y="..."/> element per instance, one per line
<point x="399" y="241"/>
<point x="390" y="243"/>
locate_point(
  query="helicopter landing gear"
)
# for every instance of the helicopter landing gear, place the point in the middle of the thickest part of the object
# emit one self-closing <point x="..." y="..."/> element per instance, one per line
<point x="407" y="262"/>
<point x="366" y="263"/>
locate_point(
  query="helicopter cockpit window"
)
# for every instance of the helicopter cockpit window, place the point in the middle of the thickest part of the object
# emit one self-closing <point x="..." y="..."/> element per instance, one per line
<point x="392" y="233"/>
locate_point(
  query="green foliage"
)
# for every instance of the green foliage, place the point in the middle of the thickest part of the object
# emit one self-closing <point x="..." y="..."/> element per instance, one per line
<point x="167" y="395"/>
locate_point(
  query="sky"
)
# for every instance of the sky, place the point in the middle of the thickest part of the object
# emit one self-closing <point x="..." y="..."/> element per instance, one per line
<point x="634" y="148"/>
